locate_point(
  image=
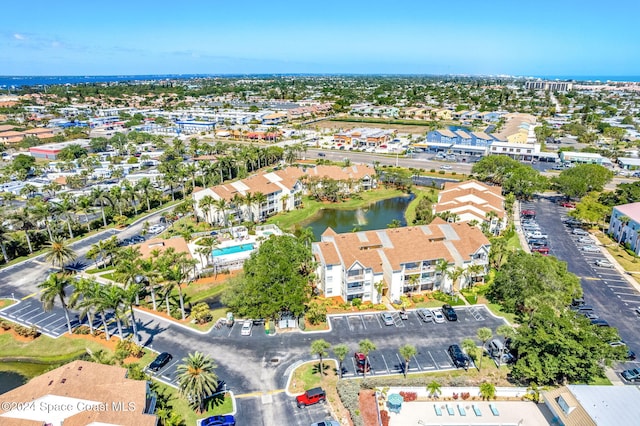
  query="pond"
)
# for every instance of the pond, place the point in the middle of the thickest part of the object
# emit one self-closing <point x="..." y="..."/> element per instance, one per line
<point x="10" y="380"/>
<point x="375" y="216"/>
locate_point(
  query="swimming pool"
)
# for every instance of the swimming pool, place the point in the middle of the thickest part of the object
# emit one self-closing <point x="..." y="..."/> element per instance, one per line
<point x="233" y="249"/>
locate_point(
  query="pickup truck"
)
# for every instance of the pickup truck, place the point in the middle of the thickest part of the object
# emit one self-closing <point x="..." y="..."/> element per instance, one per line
<point x="536" y="234"/>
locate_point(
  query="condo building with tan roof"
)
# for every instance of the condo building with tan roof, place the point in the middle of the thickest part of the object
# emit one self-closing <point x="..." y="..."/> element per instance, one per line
<point x="473" y="201"/>
<point x="80" y="393"/>
<point x="282" y="190"/>
<point x="351" y="264"/>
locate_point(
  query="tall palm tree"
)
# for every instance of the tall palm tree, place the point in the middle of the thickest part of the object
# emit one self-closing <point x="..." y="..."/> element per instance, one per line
<point x="624" y="221"/>
<point x="221" y="205"/>
<point x="484" y="334"/>
<point x="100" y="195"/>
<point x="149" y="269"/>
<point x="197" y="379"/>
<point x="206" y="204"/>
<point x="176" y="273"/>
<point x="366" y="346"/>
<point x="130" y="194"/>
<point x="84" y="298"/>
<point x="117" y="195"/>
<point x="259" y="198"/>
<point x="129" y="299"/>
<point x="248" y="201"/>
<point x="341" y="352"/>
<point x="41" y="211"/>
<point x="52" y="288"/>
<point x="66" y="206"/>
<point x="113" y="296"/>
<point x="85" y="206"/>
<point x="59" y="253"/>
<point x="144" y="186"/>
<point x="319" y="347"/>
<point x="441" y="269"/>
<point x="407" y="352"/>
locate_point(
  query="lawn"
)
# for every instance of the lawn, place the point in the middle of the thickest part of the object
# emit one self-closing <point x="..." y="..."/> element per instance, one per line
<point x="45" y="349"/>
<point x="180" y="405"/>
<point x="627" y="261"/>
<point x="4" y="303"/>
<point x="410" y="213"/>
<point x="288" y="220"/>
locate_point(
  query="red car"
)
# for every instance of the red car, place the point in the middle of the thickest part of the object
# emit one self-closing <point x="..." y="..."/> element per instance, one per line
<point x="568" y="204"/>
<point x="362" y="363"/>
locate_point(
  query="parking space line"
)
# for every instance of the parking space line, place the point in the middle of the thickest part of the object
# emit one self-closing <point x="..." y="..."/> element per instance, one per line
<point x="385" y="363"/>
<point x="417" y="363"/>
<point x="433" y="359"/>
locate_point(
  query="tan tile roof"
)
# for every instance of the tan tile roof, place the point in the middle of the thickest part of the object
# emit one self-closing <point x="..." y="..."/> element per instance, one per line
<point x="400" y="245"/>
<point x="179" y="244"/>
<point x="10" y="133"/>
<point x="87" y="381"/>
<point x="577" y="417"/>
<point x="6" y="127"/>
<point x="456" y="195"/>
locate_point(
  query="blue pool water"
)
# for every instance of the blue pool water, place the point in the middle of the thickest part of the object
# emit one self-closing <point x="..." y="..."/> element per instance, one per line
<point x="233" y="249"/>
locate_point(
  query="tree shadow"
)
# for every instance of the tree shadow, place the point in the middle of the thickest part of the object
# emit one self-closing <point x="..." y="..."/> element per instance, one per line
<point x="325" y="369"/>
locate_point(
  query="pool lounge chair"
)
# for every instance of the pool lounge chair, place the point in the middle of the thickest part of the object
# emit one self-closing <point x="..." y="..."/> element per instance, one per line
<point x="494" y="410"/>
<point x="437" y="410"/>
<point x="450" y="410"/>
<point x="461" y="410"/>
<point x="476" y="410"/>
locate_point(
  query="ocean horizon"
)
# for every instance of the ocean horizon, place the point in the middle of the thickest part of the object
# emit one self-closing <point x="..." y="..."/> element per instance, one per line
<point x="26" y="80"/>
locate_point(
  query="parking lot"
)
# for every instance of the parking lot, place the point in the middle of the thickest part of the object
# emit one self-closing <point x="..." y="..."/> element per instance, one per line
<point x="605" y="288"/>
<point x="430" y="339"/>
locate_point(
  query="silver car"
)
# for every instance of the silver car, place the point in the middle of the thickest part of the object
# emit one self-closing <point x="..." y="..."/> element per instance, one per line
<point x="591" y="249"/>
<point x="387" y="318"/>
<point x="603" y="263"/>
<point x="425" y="314"/>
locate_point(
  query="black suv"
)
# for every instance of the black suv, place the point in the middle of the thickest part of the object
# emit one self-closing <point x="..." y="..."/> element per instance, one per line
<point x="160" y="361"/>
<point x="449" y="313"/>
<point x="459" y="358"/>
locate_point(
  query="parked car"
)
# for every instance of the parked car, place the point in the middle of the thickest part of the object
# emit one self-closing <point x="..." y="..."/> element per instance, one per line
<point x="246" y="328"/>
<point x="387" y="318"/>
<point x="310" y="397"/>
<point x="584" y="240"/>
<point x="459" y="358"/>
<point x="225" y="420"/>
<point x="361" y="361"/>
<point x="632" y="375"/>
<point x="449" y="313"/>
<point x="404" y="315"/>
<point x="445" y="167"/>
<point x="425" y="314"/>
<point x="599" y="322"/>
<point x="498" y="351"/>
<point x="590" y="249"/>
<point x="536" y="234"/>
<point x="160" y="361"/>
<point x="602" y="263"/>
<point x="322" y="154"/>
<point x="568" y="204"/>
<point x="581" y="232"/>
<point x="630" y="356"/>
<point x="438" y="317"/>
<point x="542" y="250"/>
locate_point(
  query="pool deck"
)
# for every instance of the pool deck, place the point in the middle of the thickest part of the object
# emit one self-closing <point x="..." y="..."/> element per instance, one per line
<point x="514" y="413"/>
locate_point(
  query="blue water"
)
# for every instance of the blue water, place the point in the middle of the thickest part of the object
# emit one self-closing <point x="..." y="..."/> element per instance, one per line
<point x="602" y="78"/>
<point x="20" y="80"/>
<point x="233" y="249"/>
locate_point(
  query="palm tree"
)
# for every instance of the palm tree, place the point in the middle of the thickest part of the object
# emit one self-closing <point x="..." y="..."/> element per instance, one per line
<point x="366" y="346"/>
<point x="66" y="206"/>
<point x="319" y="347"/>
<point x="84" y="204"/>
<point x="221" y="205"/>
<point x="129" y="299"/>
<point x="341" y="352"/>
<point x="144" y="186"/>
<point x="206" y="204"/>
<point x="484" y="334"/>
<point x="42" y="211"/>
<point x="455" y="275"/>
<point x="149" y="270"/>
<point x="197" y="379"/>
<point x="59" y="253"/>
<point x="83" y="297"/>
<point x="624" y="221"/>
<point x="113" y="296"/>
<point x="441" y="269"/>
<point x="490" y="216"/>
<point x="55" y="287"/>
<point x="176" y="271"/>
<point x="23" y="221"/>
<point x="117" y="195"/>
<point x="407" y="352"/>
<point x="434" y="389"/>
<point x="487" y="390"/>
<point x="5" y="237"/>
<point x="100" y="195"/>
<point x="259" y="198"/>
<point x="506" y="332"/>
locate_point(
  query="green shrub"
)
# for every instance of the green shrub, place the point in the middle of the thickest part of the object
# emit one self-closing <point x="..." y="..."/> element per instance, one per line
<point x="356" y="302"/>
<point x="432" y="170"/>
<point x="348" y="392"/>
<point x="6" y="326"/>
<point x="128" y="348"/>
<point x="316" y="313"/>
<point x="440" y="172"/>
<point x="380" y="307"/>
<point x="201" y="313"/>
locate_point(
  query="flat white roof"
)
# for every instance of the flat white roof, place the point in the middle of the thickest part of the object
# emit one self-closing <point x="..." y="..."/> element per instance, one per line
<point x="629" y="161"/>
<point x="609" y="405"/>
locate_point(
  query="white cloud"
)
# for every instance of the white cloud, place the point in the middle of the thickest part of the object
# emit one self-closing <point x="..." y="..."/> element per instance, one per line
<point x="18" y="36"/>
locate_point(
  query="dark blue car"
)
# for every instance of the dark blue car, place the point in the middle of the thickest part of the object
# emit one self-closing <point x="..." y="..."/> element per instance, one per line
<point x="227" y="420"/>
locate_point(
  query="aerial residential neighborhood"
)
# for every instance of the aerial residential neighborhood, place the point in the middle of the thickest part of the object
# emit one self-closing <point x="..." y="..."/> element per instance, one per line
<point x="354" y="214"/>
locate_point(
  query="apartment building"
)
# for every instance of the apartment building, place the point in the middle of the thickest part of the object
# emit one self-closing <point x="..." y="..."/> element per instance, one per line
<point x="473" y="201"/>
<point x="554" y="86"/>
<point x="393" y="262"/>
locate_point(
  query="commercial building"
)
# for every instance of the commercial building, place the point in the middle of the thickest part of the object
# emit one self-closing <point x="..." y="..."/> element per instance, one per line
<point x="459" y="141"/>
<point x="584" y="158"/>
<point x="363" y="137"/>
<point x="554" y="86"/>
<point x="89" y="394"/>
<point x="50" y="151"/>
<point x="393" y="262"/>
<point x="473" y="201"/>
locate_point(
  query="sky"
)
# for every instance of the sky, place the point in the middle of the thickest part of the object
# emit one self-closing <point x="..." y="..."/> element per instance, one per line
<point x="542" y="38"/>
